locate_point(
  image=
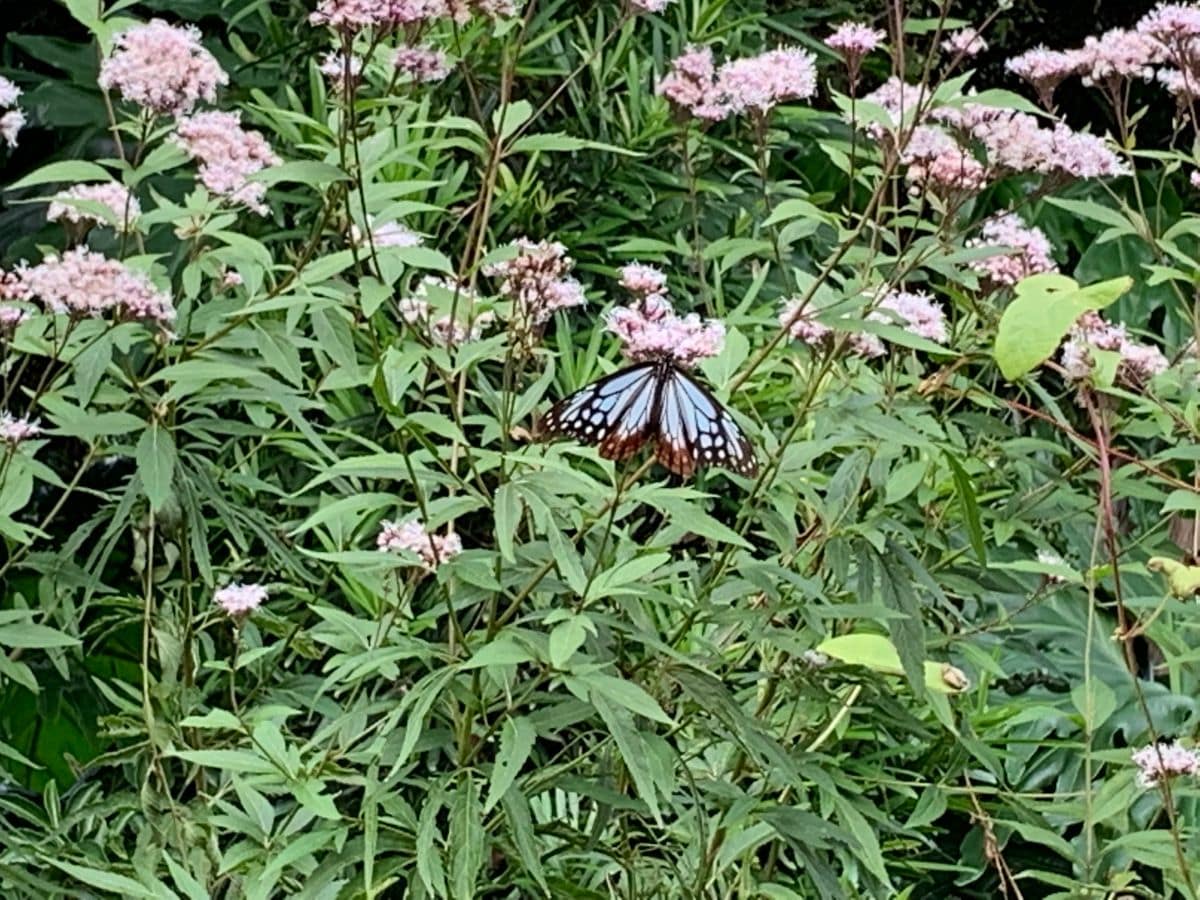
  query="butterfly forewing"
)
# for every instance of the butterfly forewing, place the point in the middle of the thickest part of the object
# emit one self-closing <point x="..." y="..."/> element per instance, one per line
<point x="620" y="412"/>
<point x="694" y="429"/>
<point x="615" y="413"/>
<point x="672" y="446"/>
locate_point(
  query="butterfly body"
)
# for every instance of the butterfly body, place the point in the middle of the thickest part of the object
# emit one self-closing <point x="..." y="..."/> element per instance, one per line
<point x="652" y="402"/>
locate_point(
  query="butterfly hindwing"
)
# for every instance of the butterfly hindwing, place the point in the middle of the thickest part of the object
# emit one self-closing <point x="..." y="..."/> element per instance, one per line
<point x="615" y="413"/>
<point x="694" y="430"/>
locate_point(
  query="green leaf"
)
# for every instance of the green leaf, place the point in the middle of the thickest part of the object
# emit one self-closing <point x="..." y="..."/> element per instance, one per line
<point x="612" y="581"/>
<point x="563" y="143"/>
<point x="970" y="507"/>
<point x="1095" y="701"/>
<point x="907" y="631"/>
<point x="107" y="881"/>
<point x="904" y="479"/>
<point x="520" y="822"/>
<point x="304" y="171"/>
<point x="1088" y="209"/>
<point x="508" y="117"/>
<point x="229" y="760"/>
<point x="34" y="637"/>
<point x="420" y="258"/>
<point x="507" y="512"/>
<point x="569" y="564"/>
<point x="66" y="171"/>
<point x="1045" y="308"/>
<point x="633" y="750"/>
<point x="872" y="651"/>
<point x="628" y="694"/>
<point x="85" y="12"/>
<point x="503" y="651"/>
<point x="156" y="459"/>
<point x="1182" y="500"/>
<point x="185" y="881"/>
<point x="70" y="421"/>
<point x="869" y="850"/>
<point x="516" y="743"/>
<point x="721" y="368"/>
<point x="468" y="840"/>
<point x="567" y="637"/>
<point x="877" y="653"/>
<point x="430" y="868"/>
<point x="10" y="752"/>
<point x="214" y="718"/>
<point x="372" y="294"/>
<point x="422" y="697"/>
<point x="795" y="208"/>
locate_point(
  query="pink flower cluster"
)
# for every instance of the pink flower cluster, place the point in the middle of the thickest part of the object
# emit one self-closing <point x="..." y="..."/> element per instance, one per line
<point x="537" y="281"/>
<point x="162" y="68"/>
<point x="1044" y="69"/>
<point x="950" y="171"/>
<point x="1176" y="28"/>
<point x="853" y="41"/>
<point x="802" y="325"/>
<point x="333" y="66"/>
<point x="753" y="84"/>
<point x="14" y="431"/>
<point x="433" y="549"/>
<point x="354" y="15"/>
<point x="644" y="281"/>
<point x="228" y="155"/>
<point x="239" y="600"/>
<point x="13" y="119"/>
<point x="1162" y="761"/>
<point x="387" y="234"/>
<point x="9" y="93"/>
<point x="462" y="10"/>
<point x="649" y="6"/>
<point x="965" y="42"/>
<point x="1181" y="83"/>
<point x="1117" y="54"/>
<point x="13" y="286"/>
<point x="10" y="317"/>
<point x="421" y="64"/>
<point x="691" y="84"/>
<point x="649" y="329"/>
<point x="83" y="284"/>
<point x="936" y="162"/>
<point x="915" y="312"/>
<point x="758" y="83"/>
<point x="1138" y="362"/>
<point x="122" y="207"/>
<point x="1168" y="35"/>
<point x="1015" y="142"/>
<point x="433" y="294"/>
<point x="1023" y="250"/>
<point x="1171" y="24"/>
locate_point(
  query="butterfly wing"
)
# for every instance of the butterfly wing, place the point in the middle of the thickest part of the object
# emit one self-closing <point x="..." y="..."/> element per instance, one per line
<point x="694" y="430"/>
<point x="616" y="413"/>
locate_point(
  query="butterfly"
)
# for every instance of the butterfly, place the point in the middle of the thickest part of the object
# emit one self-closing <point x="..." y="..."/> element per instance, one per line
<point x="652" y="401"/>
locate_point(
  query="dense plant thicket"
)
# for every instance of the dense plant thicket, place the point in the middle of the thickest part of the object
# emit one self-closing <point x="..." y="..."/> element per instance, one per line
<point x="299" y="599"/>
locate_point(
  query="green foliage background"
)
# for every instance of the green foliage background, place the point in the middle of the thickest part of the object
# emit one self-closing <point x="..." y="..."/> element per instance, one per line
<point x="612" y="692"/>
